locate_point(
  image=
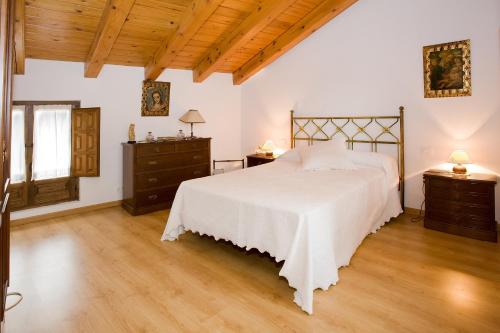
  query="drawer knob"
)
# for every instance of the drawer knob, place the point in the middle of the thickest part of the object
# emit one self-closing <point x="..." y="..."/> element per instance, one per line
<point x="196" y="157"/>
<point x="197" y="172"/>
<point x="152" y="180"/>
<point x="157" y="149"/>
<point x="152" y="162"/>
<point x="153" y="197"/>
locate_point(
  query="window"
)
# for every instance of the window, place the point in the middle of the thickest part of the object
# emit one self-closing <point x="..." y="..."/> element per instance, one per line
<point x="51" y="141"/>
<point x="17" y="154"/>
<point x="43" y="158"/>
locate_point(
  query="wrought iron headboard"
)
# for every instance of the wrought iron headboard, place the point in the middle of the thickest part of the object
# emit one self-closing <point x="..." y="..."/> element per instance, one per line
<point x="312" y="129"/>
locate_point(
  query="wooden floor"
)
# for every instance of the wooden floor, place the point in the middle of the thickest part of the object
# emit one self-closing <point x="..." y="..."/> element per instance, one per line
<point x="106" y="271"/>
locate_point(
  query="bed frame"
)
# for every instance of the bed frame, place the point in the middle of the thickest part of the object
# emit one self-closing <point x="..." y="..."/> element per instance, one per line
<point x="312" y="129"/>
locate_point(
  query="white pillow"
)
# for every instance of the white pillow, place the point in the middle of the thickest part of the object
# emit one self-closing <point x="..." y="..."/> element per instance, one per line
<point x="377" y="160"/>
<point x="292" y="155"/>
<point x="328" y="155"/>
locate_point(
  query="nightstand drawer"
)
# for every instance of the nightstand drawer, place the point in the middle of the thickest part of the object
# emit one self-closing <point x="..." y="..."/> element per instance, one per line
<point x="476" y="187"/>
<point x="476" y="222"/>
<point x="441" y="193"/>
<point x="258" y="159"/>
<point x="476" y="197"/>
<point x="460" y="186"/>
<point x="455" y="207"/>
<point x="460" y="219"/>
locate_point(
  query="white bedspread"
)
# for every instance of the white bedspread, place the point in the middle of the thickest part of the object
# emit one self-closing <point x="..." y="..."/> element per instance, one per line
<point x="313" y="220"/>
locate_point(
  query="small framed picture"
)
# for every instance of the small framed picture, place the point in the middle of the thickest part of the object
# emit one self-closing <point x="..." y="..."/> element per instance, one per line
<point x="447" y="70"/>
<point x="155" y="98"/>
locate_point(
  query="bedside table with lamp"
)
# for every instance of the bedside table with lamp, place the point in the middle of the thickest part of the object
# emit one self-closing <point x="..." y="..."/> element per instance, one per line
<point x="265" y="154"/>
<point x="461" y="203"/>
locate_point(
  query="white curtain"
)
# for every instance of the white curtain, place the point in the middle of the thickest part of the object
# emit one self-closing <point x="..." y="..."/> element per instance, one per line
<point x="17" y="154"/>
<point x="51" y="141"/>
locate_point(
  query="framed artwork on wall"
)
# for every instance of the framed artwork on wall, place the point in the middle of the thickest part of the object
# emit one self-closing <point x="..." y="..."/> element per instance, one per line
<point x="155" y="98"/>
<point x="447" y="70"/>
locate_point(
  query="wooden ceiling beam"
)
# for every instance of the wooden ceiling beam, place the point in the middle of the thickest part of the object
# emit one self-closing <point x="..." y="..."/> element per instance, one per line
<point x="19" y="47"/>
<point x="114" y="16"/>
<point x="197" y="13"/>
<point x="323" y="13"/>
<point x="263" y="14"/>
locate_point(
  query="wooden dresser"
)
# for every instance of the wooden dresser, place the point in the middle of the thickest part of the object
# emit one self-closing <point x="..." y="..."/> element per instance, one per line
<point x="152" y="172"/>
<point x="461" y="205"/>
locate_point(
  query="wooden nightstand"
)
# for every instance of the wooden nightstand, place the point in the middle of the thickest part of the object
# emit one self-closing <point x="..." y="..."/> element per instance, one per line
<point x="258" y="159"/>
<point x="461" y="205"/>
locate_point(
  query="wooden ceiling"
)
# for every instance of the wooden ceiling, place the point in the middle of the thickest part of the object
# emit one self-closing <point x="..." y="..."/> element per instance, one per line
<point x="206" y="36"/>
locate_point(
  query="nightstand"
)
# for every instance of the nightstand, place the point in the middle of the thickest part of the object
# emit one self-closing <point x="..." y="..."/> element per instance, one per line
<point x="258" y="159"/>
<point x="461" y="205"/>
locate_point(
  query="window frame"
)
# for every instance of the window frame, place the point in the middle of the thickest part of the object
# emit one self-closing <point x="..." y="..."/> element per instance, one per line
<point x="26" y="194"/>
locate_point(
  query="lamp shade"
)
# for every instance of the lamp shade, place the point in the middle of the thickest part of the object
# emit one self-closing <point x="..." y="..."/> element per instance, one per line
<point x="268" y="146"/>
<point x="459" y="157"/>
<point x="192" y="116"/>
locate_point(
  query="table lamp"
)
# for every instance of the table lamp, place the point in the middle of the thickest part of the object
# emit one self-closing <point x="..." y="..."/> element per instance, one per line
<point x="192" y="117"/>
<point x="268" y="148"/>
<point x="459" y="157"/>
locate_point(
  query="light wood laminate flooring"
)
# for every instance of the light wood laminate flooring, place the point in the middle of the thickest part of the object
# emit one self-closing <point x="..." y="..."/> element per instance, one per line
<point x="106" y="271"/>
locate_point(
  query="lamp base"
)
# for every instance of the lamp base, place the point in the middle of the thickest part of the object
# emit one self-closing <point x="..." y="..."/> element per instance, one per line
<point x="459" y="169"/>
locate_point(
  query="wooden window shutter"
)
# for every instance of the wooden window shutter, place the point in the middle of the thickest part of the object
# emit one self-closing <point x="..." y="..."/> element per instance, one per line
<point x="85" y="142"/>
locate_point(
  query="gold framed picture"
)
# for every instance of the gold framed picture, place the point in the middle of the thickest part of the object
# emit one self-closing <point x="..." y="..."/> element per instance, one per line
<point x="447" y="70"/>
<point x="155" y="98"/>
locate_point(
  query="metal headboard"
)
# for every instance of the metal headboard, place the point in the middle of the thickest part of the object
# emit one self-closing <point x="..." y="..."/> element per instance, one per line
<point x="312" y="129"/>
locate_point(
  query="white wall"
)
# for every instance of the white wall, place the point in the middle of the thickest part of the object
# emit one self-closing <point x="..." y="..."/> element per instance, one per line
<point x="118" y="91"/>
<point x="369" y="61"/>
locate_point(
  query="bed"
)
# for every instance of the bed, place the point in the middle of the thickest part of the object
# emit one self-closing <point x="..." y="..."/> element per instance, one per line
<point x="313" y="221"/>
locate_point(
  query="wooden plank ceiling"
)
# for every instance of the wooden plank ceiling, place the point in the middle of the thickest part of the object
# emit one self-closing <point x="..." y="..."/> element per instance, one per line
<point x="206" y="36"/>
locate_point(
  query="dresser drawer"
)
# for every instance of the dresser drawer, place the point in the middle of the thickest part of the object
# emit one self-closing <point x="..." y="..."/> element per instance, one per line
<point x="154" y="197"/>
<point x="153" y="149"/>
<point x="153" y="163"/>
<point x="150" y="180"/>
<point x="192" y="145"/>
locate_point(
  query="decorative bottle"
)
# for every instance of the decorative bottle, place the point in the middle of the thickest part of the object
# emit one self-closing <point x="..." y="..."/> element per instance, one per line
<point x="181" y="135"/>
